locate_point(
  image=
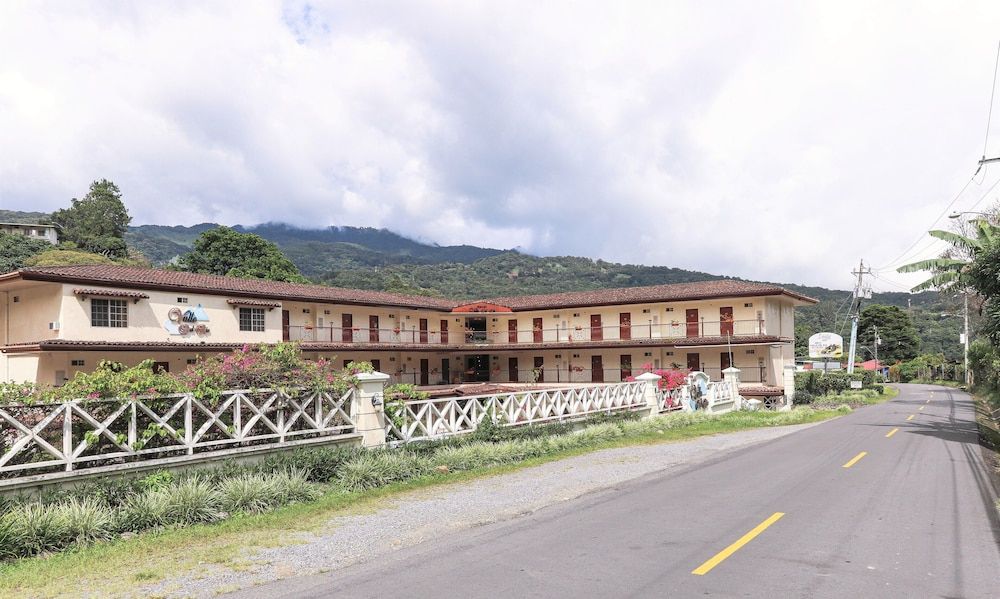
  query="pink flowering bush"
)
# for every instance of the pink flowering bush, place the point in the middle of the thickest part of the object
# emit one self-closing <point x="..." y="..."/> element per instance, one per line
<point x="669" y="378"/>
<point x="278" y="366"/>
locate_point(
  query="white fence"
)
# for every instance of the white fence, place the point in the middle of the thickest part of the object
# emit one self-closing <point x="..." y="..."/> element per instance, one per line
<point x="715" y="397"/>
<point x="434" y="418"/>
<point x="77" y="435"/>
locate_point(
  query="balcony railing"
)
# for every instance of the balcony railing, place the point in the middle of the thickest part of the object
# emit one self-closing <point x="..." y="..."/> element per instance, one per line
<point x="673" y="331"/>
<point x="553" y="374"/>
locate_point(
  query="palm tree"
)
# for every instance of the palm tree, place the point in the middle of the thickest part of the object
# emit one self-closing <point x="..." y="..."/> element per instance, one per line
<point x="949" y="271"/>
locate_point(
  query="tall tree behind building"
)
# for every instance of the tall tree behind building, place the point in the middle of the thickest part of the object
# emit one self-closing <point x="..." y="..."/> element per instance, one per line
<point x="96" y="223"/>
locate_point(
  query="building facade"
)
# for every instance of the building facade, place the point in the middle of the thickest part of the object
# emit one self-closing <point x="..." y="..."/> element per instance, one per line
<point x="57" y="321"/>
<point x="34" y="231"/>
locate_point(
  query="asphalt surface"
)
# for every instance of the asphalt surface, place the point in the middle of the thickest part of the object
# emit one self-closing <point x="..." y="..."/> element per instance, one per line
<point x="913" y="517"/>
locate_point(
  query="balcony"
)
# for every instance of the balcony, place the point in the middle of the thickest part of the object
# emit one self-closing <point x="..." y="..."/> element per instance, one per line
<point x="673" y="332"/>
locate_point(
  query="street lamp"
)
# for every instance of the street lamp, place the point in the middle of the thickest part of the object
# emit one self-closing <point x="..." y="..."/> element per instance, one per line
<point x="958" y="214"/>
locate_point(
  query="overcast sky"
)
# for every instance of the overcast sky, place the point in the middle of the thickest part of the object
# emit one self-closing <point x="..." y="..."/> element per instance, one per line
<point x="774" y="141"/>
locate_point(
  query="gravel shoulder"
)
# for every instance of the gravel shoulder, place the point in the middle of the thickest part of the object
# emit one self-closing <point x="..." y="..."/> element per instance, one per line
<point x="432" y="513"/>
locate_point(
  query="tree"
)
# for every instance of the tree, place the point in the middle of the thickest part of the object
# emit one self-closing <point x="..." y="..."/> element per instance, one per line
<point x="98" y="222"/>
<point x="899" y="337"/>
<point x="15" y="250"/>
<point x="223" y="251"/>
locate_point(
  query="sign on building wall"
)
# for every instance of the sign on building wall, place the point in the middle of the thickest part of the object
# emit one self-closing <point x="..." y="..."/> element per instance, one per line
<point x="184" y="321"/>
<point x="826" y="345"/>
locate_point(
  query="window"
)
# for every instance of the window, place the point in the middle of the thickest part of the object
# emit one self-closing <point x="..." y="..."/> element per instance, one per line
<point x="77" y="363"/>
<point x="108" y="313"/>
<point x="252" y="319"/>
<point x="182" y="300"/>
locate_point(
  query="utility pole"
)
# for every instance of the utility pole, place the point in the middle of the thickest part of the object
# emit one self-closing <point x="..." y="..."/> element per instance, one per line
<point x="878" y="341"/>
<point x="965" y="338"/>
<point x="860" y="292"/>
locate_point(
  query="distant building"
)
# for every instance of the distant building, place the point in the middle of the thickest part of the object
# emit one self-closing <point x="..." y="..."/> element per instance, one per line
<point x="34" y="231"/>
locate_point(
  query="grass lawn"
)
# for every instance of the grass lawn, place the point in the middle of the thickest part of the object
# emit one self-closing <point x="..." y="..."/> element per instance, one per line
<point x="119" y="567"/>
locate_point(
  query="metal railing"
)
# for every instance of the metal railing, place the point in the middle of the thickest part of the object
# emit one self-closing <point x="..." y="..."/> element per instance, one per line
<point x="413" y="420"/>
<point x="560" y="334"/>
<point x="77" y="435"/>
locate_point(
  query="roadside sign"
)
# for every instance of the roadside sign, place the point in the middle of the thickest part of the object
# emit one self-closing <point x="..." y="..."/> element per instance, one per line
<point x="826" y="345"/>
<point x="855" y="384"/>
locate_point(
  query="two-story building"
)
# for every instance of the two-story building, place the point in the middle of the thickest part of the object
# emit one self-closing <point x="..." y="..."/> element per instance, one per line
<point x="57" y="321"/>
<point x="34" y="231"/>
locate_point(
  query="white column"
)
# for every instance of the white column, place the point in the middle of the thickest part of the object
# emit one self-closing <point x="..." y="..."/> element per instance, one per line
<point x="789" y="384"/>
<point x="732" y="375"/>
<point x="368" y="408"/>
<point x="652" y="381"/>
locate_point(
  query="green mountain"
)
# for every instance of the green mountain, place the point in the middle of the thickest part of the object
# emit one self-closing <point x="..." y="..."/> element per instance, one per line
<point x="369" y="258"/>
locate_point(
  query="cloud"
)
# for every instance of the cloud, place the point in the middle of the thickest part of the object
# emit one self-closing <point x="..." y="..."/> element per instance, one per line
<point x="759" y="140"/>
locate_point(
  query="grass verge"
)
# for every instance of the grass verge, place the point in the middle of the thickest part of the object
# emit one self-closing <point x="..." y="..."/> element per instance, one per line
<point x="855" y="399"/>
<point x="122" y="566"/>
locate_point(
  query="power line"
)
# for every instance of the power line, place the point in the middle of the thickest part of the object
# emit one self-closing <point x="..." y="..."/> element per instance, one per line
<point x="989" y="116"/>
<point x="932" y="241"/>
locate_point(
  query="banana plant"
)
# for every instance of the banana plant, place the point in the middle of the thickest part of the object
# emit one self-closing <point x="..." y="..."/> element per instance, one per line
<point x="947" y="271"/>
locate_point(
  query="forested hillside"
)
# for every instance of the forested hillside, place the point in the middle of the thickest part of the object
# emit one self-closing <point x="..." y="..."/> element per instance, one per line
<point x="368" y="258"/>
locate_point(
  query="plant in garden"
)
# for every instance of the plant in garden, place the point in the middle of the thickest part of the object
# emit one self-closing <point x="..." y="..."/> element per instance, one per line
<point x="396" y="397"/>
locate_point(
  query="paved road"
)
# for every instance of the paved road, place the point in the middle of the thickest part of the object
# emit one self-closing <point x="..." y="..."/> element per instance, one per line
<point x="913" y="517"/>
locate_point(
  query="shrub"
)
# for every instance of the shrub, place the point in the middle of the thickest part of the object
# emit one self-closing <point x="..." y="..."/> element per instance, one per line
<point x="247" y="493"/>
<point x="41" y="528"/>
<point x="378" y="468"/>
<point x="87" y="520"/>
<point x="292" y="486"/>
<point x="11" y="537"/>
<point x="320" y="463"/>
<point x="142" y="511"/>
<point x="803" y="397"/>
<point x="191" y="501"/>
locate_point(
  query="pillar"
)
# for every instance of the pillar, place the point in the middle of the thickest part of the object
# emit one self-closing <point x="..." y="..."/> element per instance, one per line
<point x="652" y="401"/>
<point x="368" y="408"/>
<point x="788" y="377"/>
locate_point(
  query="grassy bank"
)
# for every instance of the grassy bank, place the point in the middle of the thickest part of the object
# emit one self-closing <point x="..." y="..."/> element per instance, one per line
<point x="855" y="398"/>
<point x="367" y="482"/>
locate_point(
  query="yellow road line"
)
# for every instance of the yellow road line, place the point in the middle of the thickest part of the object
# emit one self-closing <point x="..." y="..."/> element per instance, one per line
<point x="910" y="417"/>
<point x="855" y="459"/>
<point x="928" y="401"/>
<point x="921" y="408"/>
<point x="892" y="432"/>
<point x="718" y="558"/>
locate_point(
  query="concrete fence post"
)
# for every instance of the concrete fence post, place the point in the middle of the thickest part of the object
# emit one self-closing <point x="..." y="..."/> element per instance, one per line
<point x="732" y="375"/>
<point x="788" y="381"/>
<point x="369" y="408"/>
<point x="652" y="382"/>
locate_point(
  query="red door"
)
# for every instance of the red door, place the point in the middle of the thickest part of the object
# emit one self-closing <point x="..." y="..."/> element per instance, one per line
<point x="726" y="321"/>
<point x="377" y="365"/>
<point x="444" y="333"/>
<point x="539" y="368"/>
<point x="423" y="330"/>
<point x="373" y="329"/>
<point x="512" y="330"/>
<point x="625" y="325"/>
<point x="285" y="325"/>
<point x="725" y="360"/>
<point x="692" y="322"/>
<point x="626" y="366"/>
<point x="536" y="330"/>
<point x="596" y="369"/>
<point x="596" y="332"/>
<point x="347" y="328"/>
<point x="512" y="369"/>
<point x="425" y="372"/>
<point x="694" y="361"/>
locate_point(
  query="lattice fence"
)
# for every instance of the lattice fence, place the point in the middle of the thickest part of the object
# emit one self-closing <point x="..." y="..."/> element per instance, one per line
<point x="83" y="434"/>
<point x="436" y="418"/>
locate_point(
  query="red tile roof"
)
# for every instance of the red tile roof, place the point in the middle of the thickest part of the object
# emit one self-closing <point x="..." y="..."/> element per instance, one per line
<point x="641" y="295"/>
<point x="162" y="280"/>
<point x="148" y="278"/>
